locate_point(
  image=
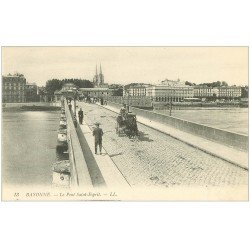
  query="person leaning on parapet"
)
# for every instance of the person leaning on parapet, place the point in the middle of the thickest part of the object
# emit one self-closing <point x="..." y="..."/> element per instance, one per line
<point x="80" y="115"/>
<point x="98" y="133"/>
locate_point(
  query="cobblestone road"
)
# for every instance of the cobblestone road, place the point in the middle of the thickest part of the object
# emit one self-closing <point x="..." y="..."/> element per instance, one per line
<point x="160" y="160"/>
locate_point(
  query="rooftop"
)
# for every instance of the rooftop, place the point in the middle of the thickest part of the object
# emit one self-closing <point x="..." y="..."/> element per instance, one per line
<point x="94" y="89"/>
<point x="14" y="75"/>
<point x="67" y="85"/>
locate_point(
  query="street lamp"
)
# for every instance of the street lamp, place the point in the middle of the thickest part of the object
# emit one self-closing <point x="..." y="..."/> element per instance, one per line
<point x="74" y="96"/>
<point x="170" y="107"/>
<point x="171" y="103"/>
<point x="128" y="101"/>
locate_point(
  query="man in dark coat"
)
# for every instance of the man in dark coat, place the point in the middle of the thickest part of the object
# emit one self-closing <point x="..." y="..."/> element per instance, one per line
<point x="75" y="121"/>
<point x="70" y="106"/>
<point x="98" y="133"/>
<point x="80" y="115"/>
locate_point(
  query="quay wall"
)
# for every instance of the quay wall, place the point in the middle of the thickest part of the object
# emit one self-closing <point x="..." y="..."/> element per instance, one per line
<point x="19" y="104"/>
<point x="80" y="174"/>
<point x="210" y="133"/>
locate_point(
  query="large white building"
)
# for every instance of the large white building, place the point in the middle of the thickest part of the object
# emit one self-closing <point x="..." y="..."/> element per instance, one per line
<point x="138" y="89"/>
<point x="204" y="91"/>
<point x="170" y="91"/>
<point x="229" y="92"/>
<point x="172" y="83"/>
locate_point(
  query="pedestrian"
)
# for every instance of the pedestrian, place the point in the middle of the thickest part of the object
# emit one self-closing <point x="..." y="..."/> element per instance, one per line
<point x="98" y="133"/>
<point x="75" y="121"/>
<point x="80" y="115"/>
<point x="70" y="107"/>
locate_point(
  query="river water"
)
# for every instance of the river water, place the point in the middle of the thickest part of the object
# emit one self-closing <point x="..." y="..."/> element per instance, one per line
<point x="231" y="119"/>
<point x="29" y="147"/>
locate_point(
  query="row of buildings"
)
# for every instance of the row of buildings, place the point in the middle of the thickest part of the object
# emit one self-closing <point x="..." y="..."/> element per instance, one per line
<point x="177" y="91"/>
<point x="15" y="88"/>
<point x="99" y="90"/>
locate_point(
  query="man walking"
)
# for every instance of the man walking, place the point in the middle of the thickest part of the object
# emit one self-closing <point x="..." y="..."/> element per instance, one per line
<point x="70" y="106"/>
<point x="75" y="121"/>
<point x="98" y="133"/>
<point x="80" y="115"/>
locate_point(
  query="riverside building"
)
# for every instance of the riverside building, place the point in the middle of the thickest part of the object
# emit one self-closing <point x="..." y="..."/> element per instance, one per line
<point x="227" y="92"/>
<point x="135" y="95"/>
<point x="205" y="92"/>
<point x="170" y="91"/>
<point x="31" y="92"/>
<point x="13" y="88"/>
<point x="137" y="89"/>
<point x="95" y="92"/>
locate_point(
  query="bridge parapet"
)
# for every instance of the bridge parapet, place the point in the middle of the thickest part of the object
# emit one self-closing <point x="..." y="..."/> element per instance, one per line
<point x="80" y="176"/>
<point x="218" y="135"/>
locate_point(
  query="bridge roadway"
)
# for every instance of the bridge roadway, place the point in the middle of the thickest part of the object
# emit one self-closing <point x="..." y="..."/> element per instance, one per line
<point x="156" y="159"/>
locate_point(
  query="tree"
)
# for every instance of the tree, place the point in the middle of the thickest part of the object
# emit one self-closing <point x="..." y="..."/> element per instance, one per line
<point x="244" y="92"/>
<point x="55" y="84"/>
<point x="117" y="89"/>
<point x="189" y="83"/>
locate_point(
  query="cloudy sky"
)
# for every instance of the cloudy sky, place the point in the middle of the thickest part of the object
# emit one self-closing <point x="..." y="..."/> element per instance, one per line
<point x="129" y="64"/>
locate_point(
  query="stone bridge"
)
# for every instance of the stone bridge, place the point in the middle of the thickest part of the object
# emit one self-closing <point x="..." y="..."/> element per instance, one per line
<point x="168" y="152"/>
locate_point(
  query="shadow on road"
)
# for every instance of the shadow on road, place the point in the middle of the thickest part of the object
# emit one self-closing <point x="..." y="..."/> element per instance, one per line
<point x="143" y="137"/>
<point x="113" y="155"/>
<point x="95" y="173"/>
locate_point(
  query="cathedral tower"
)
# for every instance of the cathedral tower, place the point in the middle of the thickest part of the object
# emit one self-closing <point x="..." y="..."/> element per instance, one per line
<point x="95" y="79"/>
<point x="98" y="78"/>
<point x="101" y="76"/>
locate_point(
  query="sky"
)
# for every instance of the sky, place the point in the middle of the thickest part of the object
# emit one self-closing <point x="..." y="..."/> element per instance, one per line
<point x="123" y="65"/>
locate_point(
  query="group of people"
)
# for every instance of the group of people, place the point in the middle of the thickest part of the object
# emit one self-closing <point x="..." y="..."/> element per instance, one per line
<point x="97" y="131"/>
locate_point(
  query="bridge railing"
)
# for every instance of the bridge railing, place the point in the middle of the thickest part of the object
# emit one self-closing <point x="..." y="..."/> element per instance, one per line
<point x="218" y="135"/>
<point x="80" y="176"/>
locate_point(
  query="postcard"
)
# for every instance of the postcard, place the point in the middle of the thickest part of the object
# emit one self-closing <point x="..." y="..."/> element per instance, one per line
<point x="124" y="123"/>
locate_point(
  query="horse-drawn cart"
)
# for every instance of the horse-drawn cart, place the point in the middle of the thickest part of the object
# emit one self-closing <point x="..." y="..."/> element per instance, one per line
<point x="127" y="124"/>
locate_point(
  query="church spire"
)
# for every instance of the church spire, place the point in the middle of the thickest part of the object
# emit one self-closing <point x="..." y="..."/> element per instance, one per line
<point x="100" y="69"/>
<point x="95" y="80"/>
<point x="101" y="76"/>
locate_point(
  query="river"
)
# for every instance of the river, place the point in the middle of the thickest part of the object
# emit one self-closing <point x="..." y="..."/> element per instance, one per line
<point x="231" y="119"/>
<point x="29" y="147"/>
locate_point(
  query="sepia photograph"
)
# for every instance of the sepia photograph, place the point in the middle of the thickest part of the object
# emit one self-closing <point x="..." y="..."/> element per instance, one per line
<point x="125" y="123"/>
